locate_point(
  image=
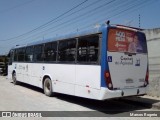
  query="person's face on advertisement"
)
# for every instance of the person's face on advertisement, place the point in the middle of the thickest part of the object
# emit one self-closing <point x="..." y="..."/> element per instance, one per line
<point x="136" y="40"/>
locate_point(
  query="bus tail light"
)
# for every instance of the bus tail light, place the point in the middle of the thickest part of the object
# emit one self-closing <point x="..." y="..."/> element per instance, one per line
<point x="108" y="80"/>
<point x="146" y="79"/>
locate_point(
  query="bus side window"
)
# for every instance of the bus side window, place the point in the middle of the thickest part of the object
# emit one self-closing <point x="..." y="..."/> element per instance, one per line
<point x="67" y="50"/>
<point x="50" y="51"/>
<point x="88" y="49"/>
<point x="21" y="54"/>
<point x="15" y="55"/>
<point x="38" y="53"/>
<point x="10" y="55"/>
<point x="29" y="54"/>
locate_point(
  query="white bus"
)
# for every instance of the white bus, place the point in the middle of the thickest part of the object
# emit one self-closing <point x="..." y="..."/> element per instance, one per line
<point x="102" y="63"/>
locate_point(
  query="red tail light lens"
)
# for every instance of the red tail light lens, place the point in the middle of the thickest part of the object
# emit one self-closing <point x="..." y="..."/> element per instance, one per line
<point x="108" y="80"/>
<point x="146" y="79"/>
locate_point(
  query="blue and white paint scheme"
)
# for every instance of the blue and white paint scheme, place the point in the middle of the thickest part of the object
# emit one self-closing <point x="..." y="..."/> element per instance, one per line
<point x="116" y="75"/>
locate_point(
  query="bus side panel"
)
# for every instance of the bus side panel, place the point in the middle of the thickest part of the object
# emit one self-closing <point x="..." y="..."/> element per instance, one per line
<point x="29" y="73"/>
<point x="34" y="73"/>
<point x="87" y="92"/>
<point x="10" y="70"/>
<point x="20" y="68"/>
<point x="88" y="81"/>
<point x="62" y="76"/>
<point x="88" y="75"/>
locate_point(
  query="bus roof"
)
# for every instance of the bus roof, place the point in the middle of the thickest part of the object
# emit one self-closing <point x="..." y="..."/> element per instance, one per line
<point x="77" y="34"/>
<point x="63" y="37"/>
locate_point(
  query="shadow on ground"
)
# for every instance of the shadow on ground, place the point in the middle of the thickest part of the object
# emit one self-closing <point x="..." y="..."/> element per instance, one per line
<point x="111" y="107"/>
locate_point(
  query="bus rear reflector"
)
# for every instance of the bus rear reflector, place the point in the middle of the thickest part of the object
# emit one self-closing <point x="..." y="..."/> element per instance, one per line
<point x="146" y="79"/>
<point x="108" y="80"/>
<point x="107" y="75"/>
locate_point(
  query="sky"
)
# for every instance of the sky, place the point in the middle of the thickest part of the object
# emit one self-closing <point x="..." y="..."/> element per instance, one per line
<point x="26" y="21"/>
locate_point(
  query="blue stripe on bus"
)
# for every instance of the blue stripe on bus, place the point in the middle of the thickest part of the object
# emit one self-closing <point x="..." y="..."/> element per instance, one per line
<point x="104" y="56"/>
<point x="104" y="64"/>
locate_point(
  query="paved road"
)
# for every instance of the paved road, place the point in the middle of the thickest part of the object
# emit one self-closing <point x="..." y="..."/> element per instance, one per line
<point x="24" y="97"/>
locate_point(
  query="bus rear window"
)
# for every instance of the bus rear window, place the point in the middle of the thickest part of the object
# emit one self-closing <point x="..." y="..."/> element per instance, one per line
<point x="120" y="40"/>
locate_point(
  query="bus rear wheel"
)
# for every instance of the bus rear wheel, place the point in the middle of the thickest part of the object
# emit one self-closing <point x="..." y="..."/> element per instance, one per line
<point x="47" y="87"/>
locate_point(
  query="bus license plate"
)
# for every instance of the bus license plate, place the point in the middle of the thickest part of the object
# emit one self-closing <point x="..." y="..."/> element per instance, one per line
<point x="129" y="81"/>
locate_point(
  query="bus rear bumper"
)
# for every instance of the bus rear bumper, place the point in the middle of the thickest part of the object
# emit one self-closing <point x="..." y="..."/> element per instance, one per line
<point x="108" y="94"/>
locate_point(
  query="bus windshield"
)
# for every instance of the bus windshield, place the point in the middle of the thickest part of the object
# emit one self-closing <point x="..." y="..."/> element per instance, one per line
<point x="120" y="40"/>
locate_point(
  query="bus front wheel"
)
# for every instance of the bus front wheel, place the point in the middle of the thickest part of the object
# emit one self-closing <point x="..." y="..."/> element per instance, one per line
<point x="14" y="78"/>
<point x="47" y="86"/>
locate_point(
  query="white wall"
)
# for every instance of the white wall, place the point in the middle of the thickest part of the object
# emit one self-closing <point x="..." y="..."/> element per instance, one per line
<point x="153" y="41"/>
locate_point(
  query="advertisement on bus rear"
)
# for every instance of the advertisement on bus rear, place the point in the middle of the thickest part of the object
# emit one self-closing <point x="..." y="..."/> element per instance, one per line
<point x="120" y="40"/>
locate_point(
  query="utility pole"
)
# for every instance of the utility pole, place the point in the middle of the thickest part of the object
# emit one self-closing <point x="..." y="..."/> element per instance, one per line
<point x="139" y="21"/>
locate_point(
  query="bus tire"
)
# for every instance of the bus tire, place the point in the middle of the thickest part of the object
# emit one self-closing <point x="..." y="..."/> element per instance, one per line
<point x="14" y="78"/>
<point x="47" y="87"/>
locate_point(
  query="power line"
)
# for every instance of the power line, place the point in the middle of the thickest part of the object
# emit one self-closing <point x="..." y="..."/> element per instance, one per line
<point x="79" y="16"/>
<point x="14" y="7"/>
<point x="47" y="22"/>
<point x="82" y="15"/>
<point x="125" y="10"/>
<point x="108" y="12"/>
<point x="122" y="11"/>
<point x="137" y="8"/>
<point x="74" y="13"/>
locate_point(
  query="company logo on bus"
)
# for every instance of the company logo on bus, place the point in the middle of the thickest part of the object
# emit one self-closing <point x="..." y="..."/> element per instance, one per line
<point x="124" y="61"/>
